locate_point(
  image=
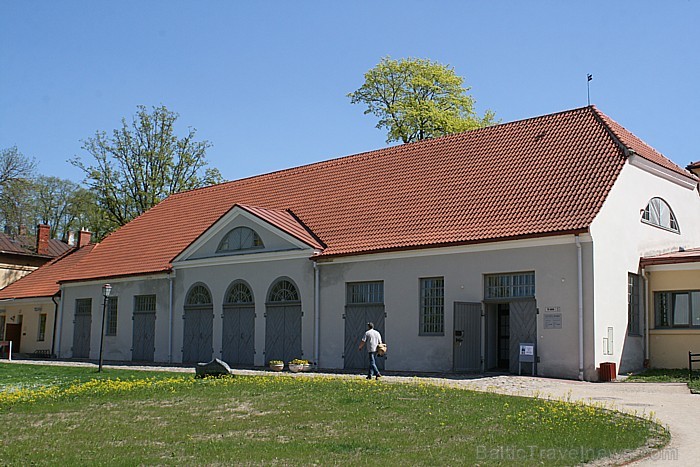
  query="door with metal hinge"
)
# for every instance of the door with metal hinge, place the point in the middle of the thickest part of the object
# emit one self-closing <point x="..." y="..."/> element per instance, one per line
<point x="283" y="332"/>
<point x="467" y="348"/>
<point x="197" y="336"/>
<point x="143" y="336"/>
<point x="81" y="330"/>
<point x="238" y="345"/>
<point x="523" y="328"/>
<point x="356" y="319"/>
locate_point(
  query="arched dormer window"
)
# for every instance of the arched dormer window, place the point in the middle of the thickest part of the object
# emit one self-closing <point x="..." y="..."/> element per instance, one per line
<point x="240" y="238"/>
<point x="659" y="214"/>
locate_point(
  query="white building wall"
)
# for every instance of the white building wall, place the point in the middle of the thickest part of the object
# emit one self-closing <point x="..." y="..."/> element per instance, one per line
<point x="28" y="312"/>
<point x="259" y="276"/>
<point x="555" y="267"/>
<point x="620" y="239"/>
<point x="117" y="347"/>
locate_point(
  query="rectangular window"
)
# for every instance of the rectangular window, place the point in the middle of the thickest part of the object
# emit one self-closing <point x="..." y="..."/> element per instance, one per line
<point x="518" y="285"/>
<point x="144" y="303"/>
<point x="41" y="335"/>
<point x="111" y="317"/>
<point x="83" y="306"/>
<point x="633" y="308"/>
<point x="677" y="309"/>
<point x="432" y="306"/>
<point x="365" y="292"/>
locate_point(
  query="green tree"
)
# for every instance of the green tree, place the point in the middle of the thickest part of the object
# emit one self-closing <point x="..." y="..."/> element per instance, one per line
<point x="142" y="163"/>
<point x="417" y="99"/>
<point x="16" y="172"/>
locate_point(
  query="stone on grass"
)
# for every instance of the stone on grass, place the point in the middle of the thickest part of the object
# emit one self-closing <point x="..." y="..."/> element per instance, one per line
<point x="216" y="368"/>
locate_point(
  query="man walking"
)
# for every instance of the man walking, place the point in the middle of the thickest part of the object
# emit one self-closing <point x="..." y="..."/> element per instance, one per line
<point x="372" y="338"/>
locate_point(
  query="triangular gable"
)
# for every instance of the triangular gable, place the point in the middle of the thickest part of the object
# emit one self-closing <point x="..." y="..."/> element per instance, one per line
<point x="283" y="224"/>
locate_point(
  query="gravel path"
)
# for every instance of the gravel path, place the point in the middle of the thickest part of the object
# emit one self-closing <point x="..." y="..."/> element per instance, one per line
<point x="671" y="404"/>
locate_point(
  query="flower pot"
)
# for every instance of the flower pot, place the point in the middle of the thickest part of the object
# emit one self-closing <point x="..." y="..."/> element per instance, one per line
<point x="296" y="367"/>
<point x="277" y="366"/>
<point x="306" y="367"/>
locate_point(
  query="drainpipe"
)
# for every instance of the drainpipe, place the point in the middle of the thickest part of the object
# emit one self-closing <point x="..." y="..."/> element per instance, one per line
<point x="646" y="315"/>
<point x="55" y="320"/>
<point x="317" y="311"/>
<point x="170" y="320"/>
<point x="60" y="324"/>
<point x="579" y="264"/>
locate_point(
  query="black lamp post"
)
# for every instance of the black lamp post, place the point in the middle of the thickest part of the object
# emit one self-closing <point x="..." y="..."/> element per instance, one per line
<point x="106" y="290"/>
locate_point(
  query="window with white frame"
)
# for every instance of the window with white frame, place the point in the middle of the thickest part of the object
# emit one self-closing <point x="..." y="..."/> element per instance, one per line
<point x="677" y="309"/>
<point x="514" y="285"/>
<point x="432" y="306"/>
<point x="111" y="317"/>
<point x="240" y="238"/>
<point x="659" y="214"/>
<point x="633" y="306"/>
<point x="365" y="292"/>
<point x="41" y="334"/>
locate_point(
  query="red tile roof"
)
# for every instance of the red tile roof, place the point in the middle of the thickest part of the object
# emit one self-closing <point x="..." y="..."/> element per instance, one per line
<point x="541" y="176"/>
<point x="691" y="255"/>
<point x="43" y="282"/>
<point x="287" y="222"/>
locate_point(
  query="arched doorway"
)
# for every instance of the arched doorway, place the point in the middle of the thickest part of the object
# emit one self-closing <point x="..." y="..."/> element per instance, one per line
<point x="198" y="326"/>
<point x="283" y="322"/>
<point x="238" y="332"/>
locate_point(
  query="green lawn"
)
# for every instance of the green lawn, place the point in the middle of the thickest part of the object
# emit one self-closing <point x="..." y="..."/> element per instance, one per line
<point x="67" y="416"/>
<point x="667" y="376"/>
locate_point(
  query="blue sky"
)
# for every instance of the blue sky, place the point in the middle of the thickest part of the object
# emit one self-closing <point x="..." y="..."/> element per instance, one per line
<point x="266" y="82"/>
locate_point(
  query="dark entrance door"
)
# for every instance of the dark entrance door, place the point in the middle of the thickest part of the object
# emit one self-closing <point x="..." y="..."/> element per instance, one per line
<point x="143" y="337"/>
<point x="238" y="343"/>
<point x="356" y="319"/>
<point x="467" y="337"/>
<point x="523" y="328"/>
<point x="13" y="332"/>
<point x="503" y="336"/>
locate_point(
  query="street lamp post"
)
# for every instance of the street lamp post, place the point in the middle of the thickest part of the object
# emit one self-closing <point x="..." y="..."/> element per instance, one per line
<point x="106" y="290"/>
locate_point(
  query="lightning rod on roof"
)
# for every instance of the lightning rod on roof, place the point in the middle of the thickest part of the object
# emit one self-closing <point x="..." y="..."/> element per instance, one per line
<point x="588" y="86"/>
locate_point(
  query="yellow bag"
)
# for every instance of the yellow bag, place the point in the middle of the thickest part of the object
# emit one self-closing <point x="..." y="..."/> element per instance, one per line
<point x="381" y="349"/>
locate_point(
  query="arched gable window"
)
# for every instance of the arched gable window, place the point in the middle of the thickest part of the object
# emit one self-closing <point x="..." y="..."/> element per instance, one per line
<point x="239" y="294"/>
<point x="240" y="238"/>
<point x="283" y="291"/>
<point x="198" y="295"/>
<point x="659" y="214"/>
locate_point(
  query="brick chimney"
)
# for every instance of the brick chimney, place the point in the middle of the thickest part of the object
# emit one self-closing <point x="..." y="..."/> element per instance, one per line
<point x="43" y="233"/>
<point x="84" y="238"/>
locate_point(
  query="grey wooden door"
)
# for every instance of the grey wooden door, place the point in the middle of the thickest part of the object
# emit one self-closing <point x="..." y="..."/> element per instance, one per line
<point x="356" y="319"/>
<point x="283" y="332"/>
<point x="198" y="333"/>
<point x="238" y="343"/>
<point x="523" y="328"/>
<point x="81" y="335"/>
<point x="467" y="337"/>
<point x="143" y="336"/>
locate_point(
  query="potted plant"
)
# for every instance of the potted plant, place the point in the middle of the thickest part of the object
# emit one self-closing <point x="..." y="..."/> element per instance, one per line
<point x="276" y="365"/>
<point x="297" y="365"/>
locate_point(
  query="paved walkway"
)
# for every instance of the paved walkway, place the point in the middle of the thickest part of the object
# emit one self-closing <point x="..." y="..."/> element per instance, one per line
<point x="671" y="404"/>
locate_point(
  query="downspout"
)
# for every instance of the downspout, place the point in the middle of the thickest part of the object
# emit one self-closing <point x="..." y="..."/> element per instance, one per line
<point x="55" y="320"/>
<point x="579" y="264"/>
<point x="317" y="312"/>
<point x="646" y="316"/>
<point x="60" y="324"/>
<point x="170" y="319"/>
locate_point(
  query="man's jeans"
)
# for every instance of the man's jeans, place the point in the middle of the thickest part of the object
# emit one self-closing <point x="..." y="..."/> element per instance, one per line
<point x="373" y="370"/>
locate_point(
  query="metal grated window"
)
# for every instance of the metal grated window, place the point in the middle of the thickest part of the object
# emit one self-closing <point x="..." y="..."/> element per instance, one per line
<point x="284" y="291"/>
<point x="42" y="327"/>
<point x="111" y="317"/>
<point x="432" y="306"/>
<point x="144" y="303"/>
<point x="518" y="285"/>
<point x="199" y="295"/>
<point x="239" y="293"/>
<point x="365" y="292"/>
<point x="83" y="306"/>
